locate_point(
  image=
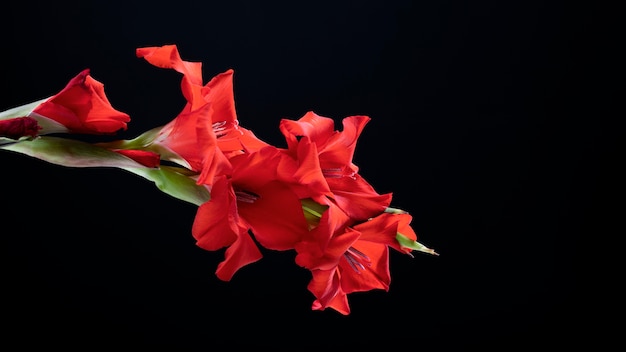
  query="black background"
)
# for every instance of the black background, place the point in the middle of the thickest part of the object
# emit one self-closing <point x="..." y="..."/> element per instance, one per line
<point x="488" y="125"/>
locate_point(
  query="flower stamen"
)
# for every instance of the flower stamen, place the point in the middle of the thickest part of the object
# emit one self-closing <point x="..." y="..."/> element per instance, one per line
<point x="337" y="172"/>
<point x="358" y="260"/>
<point x="246" y="197"/>
<point x="222" y="128"/>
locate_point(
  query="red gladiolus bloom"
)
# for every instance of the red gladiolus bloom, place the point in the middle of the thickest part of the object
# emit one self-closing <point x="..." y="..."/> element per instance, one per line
<point x="258" y="198"/>
<point x="81" y="107"/>
<point x="207" y="121"/>
<point x="335" y="150"/>
<point x="18" y="127"/>
<point x="190" y="135"/>
<point x="345" y="259"/>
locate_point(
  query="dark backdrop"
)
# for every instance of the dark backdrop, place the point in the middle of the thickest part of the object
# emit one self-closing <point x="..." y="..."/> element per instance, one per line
<point x="479" y="127"/>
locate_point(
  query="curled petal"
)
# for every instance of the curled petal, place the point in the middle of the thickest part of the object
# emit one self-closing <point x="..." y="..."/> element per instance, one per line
<point x="326" y="287"/>
<point x="317" y="128"/>
<point x="241" y="253"/>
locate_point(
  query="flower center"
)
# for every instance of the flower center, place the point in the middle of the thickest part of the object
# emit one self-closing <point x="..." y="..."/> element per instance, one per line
<point x="222" y="128"/>
<point x="246" y="197"/>
<point x="358" y="260"/>
<point x="336" y="172"/>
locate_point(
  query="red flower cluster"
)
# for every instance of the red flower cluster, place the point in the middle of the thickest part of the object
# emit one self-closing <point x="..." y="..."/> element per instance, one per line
<point x="308" y="197"/>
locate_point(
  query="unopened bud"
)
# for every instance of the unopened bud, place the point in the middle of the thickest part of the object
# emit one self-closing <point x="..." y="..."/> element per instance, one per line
<point x="19" y="127"/>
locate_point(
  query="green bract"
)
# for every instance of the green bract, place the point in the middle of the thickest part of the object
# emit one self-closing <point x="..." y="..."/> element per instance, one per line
<point x="409" y="243"/>
<point x="73" y="153"/>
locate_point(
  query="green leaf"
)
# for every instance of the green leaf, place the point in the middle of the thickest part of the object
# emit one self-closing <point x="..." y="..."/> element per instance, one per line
<point x="73" y="153"/>
<point x="409" y="243"/>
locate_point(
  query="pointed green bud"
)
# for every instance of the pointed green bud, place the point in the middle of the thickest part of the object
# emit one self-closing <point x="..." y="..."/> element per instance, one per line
<point x="409" y="243"/>
<point x="395" y="211"/>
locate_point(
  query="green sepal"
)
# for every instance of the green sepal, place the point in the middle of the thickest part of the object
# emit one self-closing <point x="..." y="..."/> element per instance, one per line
<point x="395" y="211"/>
<point x="409" y="243"/>
<point x="174" y="183"/>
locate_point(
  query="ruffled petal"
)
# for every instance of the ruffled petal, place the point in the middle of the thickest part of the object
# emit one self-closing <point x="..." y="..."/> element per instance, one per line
<point x="317" y="128"/>
<point x="338" y="151"/>
<point x="242" y="252"/>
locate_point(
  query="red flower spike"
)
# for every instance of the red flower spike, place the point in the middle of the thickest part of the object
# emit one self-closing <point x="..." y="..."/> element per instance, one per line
<point x="83" y="107"/>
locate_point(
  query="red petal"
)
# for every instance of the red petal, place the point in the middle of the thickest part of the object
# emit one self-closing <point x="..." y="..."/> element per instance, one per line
<point x="338" y="151"/>
<point x="316" y="127"/>
<point x="383" y="229"/>
<point x="167" y="56"/>
<point x="217" y="224"/>
<point x="276" y="217"/>
<point x="357" y="197"/>
<point x="145" y="158"/>
<point x="309" y="174"/>
<point x="243" y="252"/>
<point x="326" y="287"/>
<point x="220" y="94"/>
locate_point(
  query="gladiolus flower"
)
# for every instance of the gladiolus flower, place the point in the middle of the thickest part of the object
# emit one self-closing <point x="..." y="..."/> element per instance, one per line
<point x="335" y="150"/>
<point x="259" y="198"/>
<point x="345" y="259"/>
<point x="207" y="121"/>
<point x="308" y="197"/>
